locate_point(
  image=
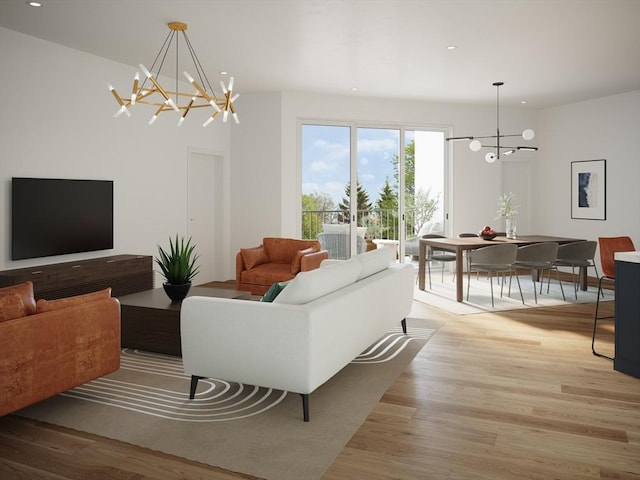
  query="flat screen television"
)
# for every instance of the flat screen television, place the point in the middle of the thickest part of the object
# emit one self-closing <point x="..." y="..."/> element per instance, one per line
<point x="51" y="216"/>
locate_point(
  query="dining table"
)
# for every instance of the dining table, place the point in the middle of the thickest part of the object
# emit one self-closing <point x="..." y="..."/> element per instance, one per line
<point x="460" y="245"/>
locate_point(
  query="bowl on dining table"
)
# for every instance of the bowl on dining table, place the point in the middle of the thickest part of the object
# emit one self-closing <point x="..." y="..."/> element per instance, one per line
<point x="488" y="236"/>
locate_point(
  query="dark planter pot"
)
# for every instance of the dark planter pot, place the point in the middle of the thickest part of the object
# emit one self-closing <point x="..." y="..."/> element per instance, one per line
<point x="176" y="293"/>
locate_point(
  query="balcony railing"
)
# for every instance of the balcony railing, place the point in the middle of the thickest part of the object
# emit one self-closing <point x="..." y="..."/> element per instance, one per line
<point x="380" y="223"/>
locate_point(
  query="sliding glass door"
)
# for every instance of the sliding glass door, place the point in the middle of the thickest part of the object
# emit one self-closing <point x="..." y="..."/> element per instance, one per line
<point x="352" y="180"/>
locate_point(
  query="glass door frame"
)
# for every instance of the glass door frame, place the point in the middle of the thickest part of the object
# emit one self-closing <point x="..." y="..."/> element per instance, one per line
<point x="353" y="169"/>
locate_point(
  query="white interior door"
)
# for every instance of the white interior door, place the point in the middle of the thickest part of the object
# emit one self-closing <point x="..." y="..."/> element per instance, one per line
<point x="205" y="213"/>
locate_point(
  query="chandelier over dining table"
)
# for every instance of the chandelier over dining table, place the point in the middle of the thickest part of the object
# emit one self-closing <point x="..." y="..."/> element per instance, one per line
<point x="475" y="143"/>
<point x="149" y="91"/>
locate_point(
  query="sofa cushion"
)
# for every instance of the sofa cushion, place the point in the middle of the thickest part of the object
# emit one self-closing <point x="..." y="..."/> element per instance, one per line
<point x="11" y="306"/>
<point x="48" y="305"/>
<point x="308" y="286"/>
<point x="267" y="274"/>
<point x="295" y="264"/>
<point x="25" y="290"/>
<point x="273" y="292"/>
<point x="375" y="261"/>
<point x="253" y="257"/>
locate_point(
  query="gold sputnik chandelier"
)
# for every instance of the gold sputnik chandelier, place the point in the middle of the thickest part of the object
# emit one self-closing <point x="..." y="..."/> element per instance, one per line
<point x="150" y="92"/>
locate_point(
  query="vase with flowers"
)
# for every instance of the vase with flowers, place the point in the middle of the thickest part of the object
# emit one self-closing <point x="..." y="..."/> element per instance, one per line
<point x="508" y="210"/>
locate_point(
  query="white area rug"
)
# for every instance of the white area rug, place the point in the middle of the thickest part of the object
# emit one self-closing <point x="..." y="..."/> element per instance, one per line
<point x="443" y="294"/>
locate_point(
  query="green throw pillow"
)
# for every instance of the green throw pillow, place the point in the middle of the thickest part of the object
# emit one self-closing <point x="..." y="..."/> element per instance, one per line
<point x="274" y="291"/>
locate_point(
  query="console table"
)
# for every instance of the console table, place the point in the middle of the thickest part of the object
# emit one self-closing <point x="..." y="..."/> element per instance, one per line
<point x="125" y="274"/>
<point x="151" y="322"/>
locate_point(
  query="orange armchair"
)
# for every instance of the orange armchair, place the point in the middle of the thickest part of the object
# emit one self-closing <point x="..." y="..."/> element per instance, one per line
<point x="275" y="260"/>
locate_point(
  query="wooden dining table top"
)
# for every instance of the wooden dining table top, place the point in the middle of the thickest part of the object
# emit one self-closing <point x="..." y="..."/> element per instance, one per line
<point x="467" y="243"/>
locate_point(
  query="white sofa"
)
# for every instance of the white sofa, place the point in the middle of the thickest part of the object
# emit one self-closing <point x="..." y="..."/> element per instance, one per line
<point x="321" y="321"/>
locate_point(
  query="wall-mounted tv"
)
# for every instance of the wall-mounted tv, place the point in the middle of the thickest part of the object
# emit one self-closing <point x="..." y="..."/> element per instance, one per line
<point x="51" y="216"/>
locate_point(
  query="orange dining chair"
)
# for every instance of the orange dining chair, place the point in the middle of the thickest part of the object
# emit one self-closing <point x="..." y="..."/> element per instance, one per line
<point x="608" y="247"/>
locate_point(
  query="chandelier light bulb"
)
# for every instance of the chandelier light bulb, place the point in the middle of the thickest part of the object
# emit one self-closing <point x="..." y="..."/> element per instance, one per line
<point x="208" y="121"/>
<point x="490" y="157"/>
<point x="475" y="145"/>
<point x="528" y="134"/>
<point x="153" y="119"/>
<point x="144" y="69"/>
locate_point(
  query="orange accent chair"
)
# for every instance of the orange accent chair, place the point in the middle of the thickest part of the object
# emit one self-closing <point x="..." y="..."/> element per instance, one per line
<point x="608" y="247"/>
<point x="276" y="260"/>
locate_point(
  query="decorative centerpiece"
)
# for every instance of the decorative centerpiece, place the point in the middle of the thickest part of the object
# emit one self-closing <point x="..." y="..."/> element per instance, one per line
<point x="488" y="233"/>
<point x="507" y="210"/>
<point x="178" y="266"/>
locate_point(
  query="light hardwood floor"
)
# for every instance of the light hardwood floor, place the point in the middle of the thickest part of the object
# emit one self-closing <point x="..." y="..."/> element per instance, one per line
<point x="514" y="395"/>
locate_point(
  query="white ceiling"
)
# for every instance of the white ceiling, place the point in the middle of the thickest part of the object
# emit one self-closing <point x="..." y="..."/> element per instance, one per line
<point x="548" y="52"/>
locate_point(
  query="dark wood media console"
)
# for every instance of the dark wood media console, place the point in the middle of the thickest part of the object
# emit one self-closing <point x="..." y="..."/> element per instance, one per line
<point x="125" y="274"/>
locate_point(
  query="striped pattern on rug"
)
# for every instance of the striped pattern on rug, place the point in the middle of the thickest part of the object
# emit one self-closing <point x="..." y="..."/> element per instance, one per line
<point x="155" y="384"/>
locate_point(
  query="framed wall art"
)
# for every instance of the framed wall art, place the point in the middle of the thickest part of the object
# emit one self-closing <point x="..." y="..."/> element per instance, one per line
<point x="589" y="189"/>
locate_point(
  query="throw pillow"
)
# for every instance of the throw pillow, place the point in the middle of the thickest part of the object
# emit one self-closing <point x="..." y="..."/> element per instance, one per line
<point x="295" y="264"/>
<point x="11" y="306"/>
<point x="48" y="305"/>
<point x="253" y="257"/>
<point x="25" y="290"/>
<point x="273" y="292"/>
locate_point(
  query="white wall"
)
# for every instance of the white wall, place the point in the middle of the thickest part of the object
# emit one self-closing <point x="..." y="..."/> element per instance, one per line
<point x="56" y="121"/>
<point x="604" y="128"/>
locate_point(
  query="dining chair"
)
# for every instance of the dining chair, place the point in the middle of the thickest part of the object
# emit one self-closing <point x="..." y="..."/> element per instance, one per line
<point x="494" y="259"/>
<point x="539" y="257"/>
<point x="467" y="235"/>
<point x="576" y="254"/>
<point x="608" y="247"/>
<point x="435" y="255"/>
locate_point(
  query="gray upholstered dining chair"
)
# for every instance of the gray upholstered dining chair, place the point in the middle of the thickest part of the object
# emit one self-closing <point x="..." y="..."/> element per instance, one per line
<point x="494" y="259"/>
<point x="539" y="257"/>
<point x="467" y="235"/>
<point x="577" y="254"/>
<point x="435" y="255"/>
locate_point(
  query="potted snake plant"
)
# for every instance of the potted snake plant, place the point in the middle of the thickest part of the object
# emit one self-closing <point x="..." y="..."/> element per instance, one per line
<point x="178" y="267"/>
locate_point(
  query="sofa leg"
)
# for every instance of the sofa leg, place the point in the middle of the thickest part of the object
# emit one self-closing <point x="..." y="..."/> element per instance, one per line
<point x="194" y="385"/>
<point x="305" y="406"/>
<point x="404" y="325"/>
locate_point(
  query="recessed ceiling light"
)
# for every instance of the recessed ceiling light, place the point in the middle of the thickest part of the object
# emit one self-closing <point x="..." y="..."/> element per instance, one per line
<point x="354" y="89"/>
<point x="224" y="72"/>
<point x="523" y="102"/>
<point x="451" y="47"/>
<point x="34" y="4"/>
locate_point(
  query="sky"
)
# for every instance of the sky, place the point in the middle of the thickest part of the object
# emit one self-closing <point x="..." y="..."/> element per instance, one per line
<point x="325" y="159"/>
